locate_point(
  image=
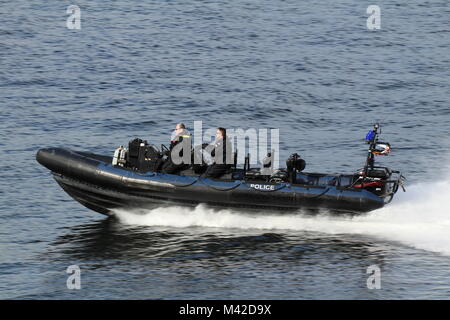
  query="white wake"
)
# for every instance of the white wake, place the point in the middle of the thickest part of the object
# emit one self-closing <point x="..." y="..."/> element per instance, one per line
<point x="419" y="218"/>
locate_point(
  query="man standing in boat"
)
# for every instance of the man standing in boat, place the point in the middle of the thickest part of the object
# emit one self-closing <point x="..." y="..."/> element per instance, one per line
<point x="221" y="151"/>
<point x="178" y="158"/>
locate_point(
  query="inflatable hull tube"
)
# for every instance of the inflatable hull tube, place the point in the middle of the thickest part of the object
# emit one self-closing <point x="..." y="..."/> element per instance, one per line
<point x="94" y="182"/>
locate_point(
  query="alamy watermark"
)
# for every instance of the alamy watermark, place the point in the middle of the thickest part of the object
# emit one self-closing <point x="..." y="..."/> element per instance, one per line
<point x="74" y="280"/>
<point x="374" y="280"/>
<point x="74" y="20"/>
<point x="239" y="144"/>
<point x="374" y="20"/>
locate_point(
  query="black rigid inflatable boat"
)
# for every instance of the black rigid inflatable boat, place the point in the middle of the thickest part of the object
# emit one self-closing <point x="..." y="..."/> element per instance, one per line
<point x="102" y="183"/>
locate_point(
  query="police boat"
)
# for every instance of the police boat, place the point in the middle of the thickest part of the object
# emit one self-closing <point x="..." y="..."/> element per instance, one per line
<point x="131" y="179"/>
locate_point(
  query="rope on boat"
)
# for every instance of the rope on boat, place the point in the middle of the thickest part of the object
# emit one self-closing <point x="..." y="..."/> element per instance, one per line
<point x="187" y="185"/>
<point x="218" y="189"/>
<point x="319" y="195"/>
<point x="209" y="186"/>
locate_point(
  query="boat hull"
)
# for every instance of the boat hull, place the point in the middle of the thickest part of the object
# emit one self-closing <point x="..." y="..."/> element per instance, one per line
<point x="94" y="182"/>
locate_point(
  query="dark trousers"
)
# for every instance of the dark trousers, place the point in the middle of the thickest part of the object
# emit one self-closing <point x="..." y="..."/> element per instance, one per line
<point x="172" y="168"/>
<point x="216" y="170"/>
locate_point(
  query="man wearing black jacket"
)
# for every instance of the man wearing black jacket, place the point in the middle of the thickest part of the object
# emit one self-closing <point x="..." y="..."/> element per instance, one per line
<point x="221" y="153"/>
<point x="180" y="140"/>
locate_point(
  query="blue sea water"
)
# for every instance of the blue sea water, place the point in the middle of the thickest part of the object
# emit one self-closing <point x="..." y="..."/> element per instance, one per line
<point x="311" y="69"/>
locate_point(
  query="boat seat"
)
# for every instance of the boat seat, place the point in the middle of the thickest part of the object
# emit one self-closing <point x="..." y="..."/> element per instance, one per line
<point x="327" y="181"/>
<point x="305" y="179"/>
<point x="347" y="180"/>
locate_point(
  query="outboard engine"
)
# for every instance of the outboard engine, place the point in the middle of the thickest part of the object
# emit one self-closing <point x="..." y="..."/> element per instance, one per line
<point x="374" y="180"/>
